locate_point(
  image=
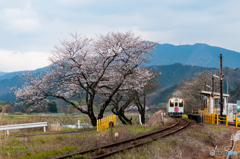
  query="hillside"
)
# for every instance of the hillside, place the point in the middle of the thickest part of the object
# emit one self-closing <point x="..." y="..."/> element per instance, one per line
<point x="170" y="76"/>
<point x="174" y="73"/>
<point x="174" y="63"/>
<point x="196" y="55"/>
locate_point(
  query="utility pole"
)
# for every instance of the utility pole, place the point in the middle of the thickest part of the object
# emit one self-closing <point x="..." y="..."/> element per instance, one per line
<point x="221" y="91"/>
<point x="212" y="84"/>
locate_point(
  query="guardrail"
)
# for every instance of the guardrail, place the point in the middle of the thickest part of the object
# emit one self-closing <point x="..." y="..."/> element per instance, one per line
<point x="23" y="126"/>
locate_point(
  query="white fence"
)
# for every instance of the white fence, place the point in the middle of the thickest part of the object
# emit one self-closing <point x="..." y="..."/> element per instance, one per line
<point x="23" y="126"/>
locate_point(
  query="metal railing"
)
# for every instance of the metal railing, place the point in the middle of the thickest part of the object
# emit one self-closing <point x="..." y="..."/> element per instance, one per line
<point x="212" y="118"/>
<point x="23" y="126"/>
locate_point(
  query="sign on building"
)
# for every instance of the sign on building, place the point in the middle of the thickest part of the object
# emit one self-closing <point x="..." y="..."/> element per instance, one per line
<point x="238" y="108"/>
<point x="232" y="111"/>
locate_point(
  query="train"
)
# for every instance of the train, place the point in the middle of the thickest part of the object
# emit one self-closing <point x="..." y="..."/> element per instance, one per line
<point x="175" y="107"/>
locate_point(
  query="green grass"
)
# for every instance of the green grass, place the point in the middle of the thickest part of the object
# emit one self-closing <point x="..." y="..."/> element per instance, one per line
<point x="140" y="128"/>
<point x="42" y="155"/>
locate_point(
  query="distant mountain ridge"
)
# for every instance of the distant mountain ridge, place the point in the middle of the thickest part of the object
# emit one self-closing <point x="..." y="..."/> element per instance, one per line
<point x="173" y="62"/>
<point x="196" y="55"/>
<point x="2" y="73"/>
<point x="10" y="75"/>
<point x="170" y="75"/>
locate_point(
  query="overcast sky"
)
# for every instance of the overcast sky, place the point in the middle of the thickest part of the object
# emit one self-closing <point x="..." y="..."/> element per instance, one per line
<point x="29" y="29"/>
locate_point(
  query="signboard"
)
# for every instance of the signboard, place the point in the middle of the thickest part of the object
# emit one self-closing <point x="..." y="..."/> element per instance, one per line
<point x="238" y="108"/>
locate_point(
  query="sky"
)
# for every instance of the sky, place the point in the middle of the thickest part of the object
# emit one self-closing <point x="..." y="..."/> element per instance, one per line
<point x="29" y="29"/>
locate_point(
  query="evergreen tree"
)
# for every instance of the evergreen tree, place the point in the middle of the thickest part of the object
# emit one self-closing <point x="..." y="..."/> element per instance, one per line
<point x="235" y="93"/>
<point x="52" y="107"/>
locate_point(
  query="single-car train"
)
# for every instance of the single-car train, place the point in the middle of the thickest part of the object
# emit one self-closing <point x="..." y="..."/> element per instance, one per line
<point x="175" y="107"/>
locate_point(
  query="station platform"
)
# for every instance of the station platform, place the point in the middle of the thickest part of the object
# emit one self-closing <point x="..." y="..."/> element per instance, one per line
<point x="196" y="117"/>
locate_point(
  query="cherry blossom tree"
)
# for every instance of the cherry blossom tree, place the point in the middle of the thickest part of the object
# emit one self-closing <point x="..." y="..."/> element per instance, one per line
<point x="134" y="90"/>
<point x="83" y="67"/>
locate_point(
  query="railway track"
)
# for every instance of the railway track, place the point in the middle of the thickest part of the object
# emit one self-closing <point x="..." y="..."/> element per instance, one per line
<point x="108" y="150"/>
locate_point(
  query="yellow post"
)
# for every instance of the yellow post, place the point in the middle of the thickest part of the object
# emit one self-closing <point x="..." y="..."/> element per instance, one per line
<point x="97" y="125"/>
<point x="236" y="121"/>
<point x="104" y="123"/>
<point x="226" y="120"/>
<point x="217" y="119"/>
<point x="208" y="118"/>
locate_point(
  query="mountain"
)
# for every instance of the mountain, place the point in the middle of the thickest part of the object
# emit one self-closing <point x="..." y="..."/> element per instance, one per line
<point x="19" y="73"/>
<point x="170" y="76"/>
<point x="174" y="73"/>
<point x="174" y="63"/>
<point x="196" y="55"/>
<point x="2" y="73"/>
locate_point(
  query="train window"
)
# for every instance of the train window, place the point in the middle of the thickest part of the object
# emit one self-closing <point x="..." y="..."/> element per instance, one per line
<point x="176" y="104"/>
<point x="180" y="103"/>
<point x="171" y="103"/>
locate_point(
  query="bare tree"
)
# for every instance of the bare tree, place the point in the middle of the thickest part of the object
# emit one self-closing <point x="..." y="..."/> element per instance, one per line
<point x="189" y="90"/>
<point x="130" y="91"/>
<point x="81" y="67"/>
<point x="139" y="97"/>
<point x="120" y="102"/>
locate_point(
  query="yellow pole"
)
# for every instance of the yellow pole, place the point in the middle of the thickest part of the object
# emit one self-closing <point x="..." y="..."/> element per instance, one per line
<point x="104" y="123"/>
<point x="208" y="118"/>
<point x="236" y="121"/>
<point x="97" y="125"/>
<point x="217" y="119"/>
<point x="226" y="120"/>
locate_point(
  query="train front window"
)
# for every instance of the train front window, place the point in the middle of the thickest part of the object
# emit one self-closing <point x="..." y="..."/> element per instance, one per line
<point x="176" y="104"/>
<point x="180" y="103"/>
<point x="171" y="103"/>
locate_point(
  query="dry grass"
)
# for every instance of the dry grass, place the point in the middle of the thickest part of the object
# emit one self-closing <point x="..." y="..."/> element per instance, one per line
<point x="3" y="141"/>
<point x="57" y="145"/>
<point x="194" y="143"/>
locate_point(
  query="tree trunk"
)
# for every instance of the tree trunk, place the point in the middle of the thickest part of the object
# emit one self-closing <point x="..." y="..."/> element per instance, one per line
<point x="129" y="121"/>
<point x="143" y="118"/>
<point x="93" y="119"/>
<point x="121" y="116"/>
<point x="122" y="120"/>
<point x="90" y="111"/>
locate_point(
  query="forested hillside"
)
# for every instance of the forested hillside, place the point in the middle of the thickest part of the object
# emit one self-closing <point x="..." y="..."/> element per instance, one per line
<point x="173" y="74"/>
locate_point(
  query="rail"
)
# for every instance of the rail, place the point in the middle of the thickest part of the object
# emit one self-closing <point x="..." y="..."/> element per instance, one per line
<point x="23" y="126"/>
<point x="130" y="143"/>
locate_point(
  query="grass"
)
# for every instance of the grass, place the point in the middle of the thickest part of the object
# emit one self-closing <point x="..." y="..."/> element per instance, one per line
<point x="194" y="143"/>
<point x="58" y="144"/>
<point x="183" y="145"/>
<point x="140" y="128"/>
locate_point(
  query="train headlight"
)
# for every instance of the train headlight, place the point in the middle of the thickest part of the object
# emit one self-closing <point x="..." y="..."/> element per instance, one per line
<point x="172" y="101"/>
